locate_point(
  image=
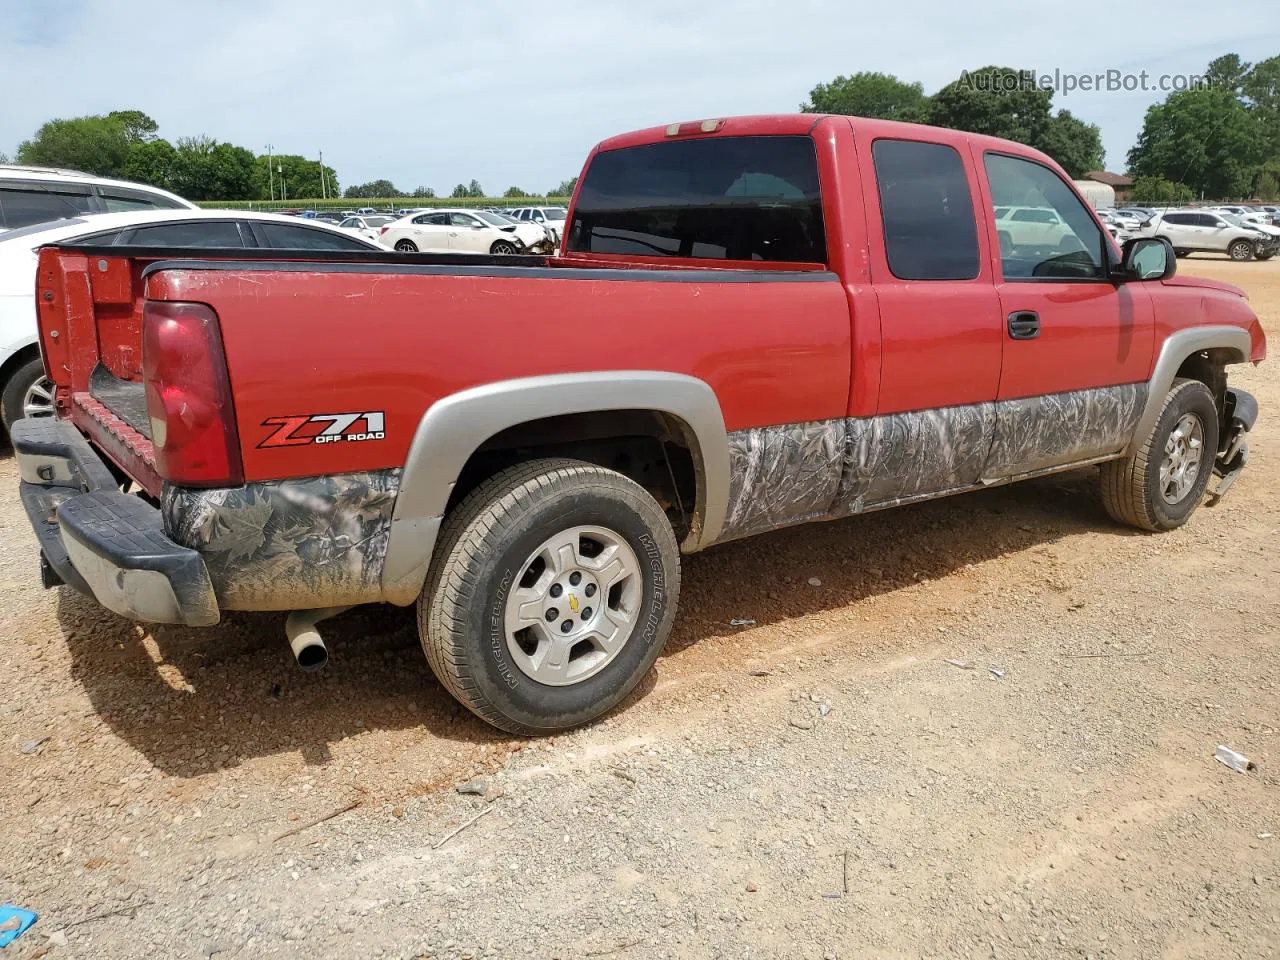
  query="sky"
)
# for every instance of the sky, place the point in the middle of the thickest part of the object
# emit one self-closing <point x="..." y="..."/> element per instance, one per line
<point x="436" y="92"/>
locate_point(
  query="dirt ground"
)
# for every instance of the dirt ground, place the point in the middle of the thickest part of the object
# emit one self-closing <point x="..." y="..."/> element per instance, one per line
<point x="819" y="783"/>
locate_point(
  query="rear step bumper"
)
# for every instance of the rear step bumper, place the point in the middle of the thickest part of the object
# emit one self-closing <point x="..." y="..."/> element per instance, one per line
<point x="108" y="544"/>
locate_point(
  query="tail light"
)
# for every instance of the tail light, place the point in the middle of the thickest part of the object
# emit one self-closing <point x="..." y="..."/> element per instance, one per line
<point x="193" y="427"/>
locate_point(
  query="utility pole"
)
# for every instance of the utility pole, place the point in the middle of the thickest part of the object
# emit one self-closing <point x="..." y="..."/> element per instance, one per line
<point x="324" y="192"/>
<point x="284" y="191"/>
<point x="271" y="182"/>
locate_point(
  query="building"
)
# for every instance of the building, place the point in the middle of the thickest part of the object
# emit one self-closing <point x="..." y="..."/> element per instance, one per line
<point x="1118" y="182"/>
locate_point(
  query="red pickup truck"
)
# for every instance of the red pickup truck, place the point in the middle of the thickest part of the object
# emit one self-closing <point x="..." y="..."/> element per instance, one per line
<point x="751" y="322"/>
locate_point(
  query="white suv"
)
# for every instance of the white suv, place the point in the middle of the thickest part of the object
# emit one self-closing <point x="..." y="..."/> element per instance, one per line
<point x="550" y="217"/>
<point x="38" y="194"/>
<point x="1210" y="230"/>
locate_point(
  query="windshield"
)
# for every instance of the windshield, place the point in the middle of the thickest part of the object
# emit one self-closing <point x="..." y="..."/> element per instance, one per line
<point x="492" y="218"/>
<point x="555" y="213"/>
<point x="1235" y="221"/>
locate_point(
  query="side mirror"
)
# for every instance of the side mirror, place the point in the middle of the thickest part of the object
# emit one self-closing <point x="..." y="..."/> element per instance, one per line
<point x="1148" y="258"/>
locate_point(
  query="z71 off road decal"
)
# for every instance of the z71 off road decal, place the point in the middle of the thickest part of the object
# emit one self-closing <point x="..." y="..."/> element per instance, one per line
<point x="324" y="428"/>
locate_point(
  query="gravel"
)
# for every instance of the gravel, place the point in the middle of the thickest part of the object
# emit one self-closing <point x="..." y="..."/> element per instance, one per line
<point x="821" y="783"/>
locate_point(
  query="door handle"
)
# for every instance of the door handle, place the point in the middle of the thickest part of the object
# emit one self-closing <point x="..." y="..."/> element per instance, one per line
<point x="1024" y="325"/>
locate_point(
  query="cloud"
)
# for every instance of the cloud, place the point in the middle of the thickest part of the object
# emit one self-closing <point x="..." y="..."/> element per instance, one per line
<point x="438" y="93"/>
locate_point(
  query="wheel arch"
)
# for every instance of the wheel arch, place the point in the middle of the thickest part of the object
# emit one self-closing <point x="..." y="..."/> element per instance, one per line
<point x="1194" y="353"/>
<point x="456" y="427"/>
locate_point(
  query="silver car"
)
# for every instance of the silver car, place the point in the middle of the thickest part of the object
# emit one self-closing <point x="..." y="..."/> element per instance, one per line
<point x="1190" y="231"/>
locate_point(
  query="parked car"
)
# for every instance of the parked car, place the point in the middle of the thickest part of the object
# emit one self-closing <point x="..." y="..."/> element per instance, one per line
<point x="464" y="231"/>
<point x="1120" y="227"/>
<point x="1191" y="231"/>
<point x="553" y="218"/>
<point x="39" y="194"/>
<point x="1244" y="212"/>
<point x="24" y="391"/>
<point x="525" y="450"/>
<point x="366" y="227"/>
<point x="1034" y="227"/>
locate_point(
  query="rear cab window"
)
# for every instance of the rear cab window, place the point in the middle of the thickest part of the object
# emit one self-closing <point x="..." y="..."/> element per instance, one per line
<point x="748" y="198"/>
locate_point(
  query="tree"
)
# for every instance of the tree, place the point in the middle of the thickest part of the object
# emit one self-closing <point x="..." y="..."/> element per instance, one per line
<point x="91" y="144"/>
<point x="514" y="193"/>
<point x="138" y="127"/>
<point x="1261" y="89"/>
<point x="4" y="158"/>
<point x="297" y="177"/>
<point x="1160" y="191"/>
<point x="425" y="193"/>
<point x="373" y="190"/>
<point x="565" y="189"/>
<point x="998" y="101"/>
<point x="460" y="192"/>
<point x="475" y="190"/>
<point x="1073" y="143"/>
<point x="1204" y="138"/>
<point x="868" y="94"/>
<point x="1227" y="71"/>
<point x="205" y="169"/>
<point x="150" y="161"/>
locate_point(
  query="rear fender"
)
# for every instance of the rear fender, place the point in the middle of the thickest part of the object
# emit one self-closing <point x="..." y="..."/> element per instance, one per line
<point x="458" y="425"/>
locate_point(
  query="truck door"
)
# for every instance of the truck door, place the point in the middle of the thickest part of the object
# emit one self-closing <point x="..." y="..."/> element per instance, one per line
<point x="1076" y="344"/>
<point x="940" y="321"/>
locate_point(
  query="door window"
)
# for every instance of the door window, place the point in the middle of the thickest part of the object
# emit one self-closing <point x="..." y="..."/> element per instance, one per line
<point x="1180" y="219"/>
<point x="464" y="220"/>
<point x="1067" y="246"/>
<point x="432" y="220"/>
<point x="25" y="203"/>
<point x="222" y="234"/>
<point x="123" y="201"/>
<point x="288" y="237"/>
<point x="927" y="211"/>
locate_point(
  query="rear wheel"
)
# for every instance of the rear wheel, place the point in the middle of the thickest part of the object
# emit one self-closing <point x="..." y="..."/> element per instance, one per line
<point x="1240" y="250"/>
<point x="502" y="248"/>
<point x="1159" y="486"/>
<point x="552" y="592"/>
<point x="406" y="246"/>
<point x="27" y="394"/>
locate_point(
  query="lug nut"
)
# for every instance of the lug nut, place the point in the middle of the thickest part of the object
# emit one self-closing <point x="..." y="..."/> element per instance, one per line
<point x="553" y="615"/>
<point x="591" y="590"/>
<point x="575" y="578"/>
<point x="566" y="626"/>
<point x="556" y="590"/>
<point x="586" y="613"/>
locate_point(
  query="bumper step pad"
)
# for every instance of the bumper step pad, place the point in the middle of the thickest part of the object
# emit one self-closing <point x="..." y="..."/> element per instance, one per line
<point x="117" y="543"/>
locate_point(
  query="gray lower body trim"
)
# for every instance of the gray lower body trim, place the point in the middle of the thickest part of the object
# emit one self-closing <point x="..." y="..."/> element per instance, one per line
<point x="289" y="544"/>
<point x="797" y="472"/>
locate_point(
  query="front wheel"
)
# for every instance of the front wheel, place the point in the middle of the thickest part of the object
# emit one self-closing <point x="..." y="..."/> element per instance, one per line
<point x="1240" y="251"/>
<point x="406" y="246"/>
<point x="553" y="589"/>
<point x="502" y="248"/>
<point x="1159" y="485"/>
<point x="27" y="394"/>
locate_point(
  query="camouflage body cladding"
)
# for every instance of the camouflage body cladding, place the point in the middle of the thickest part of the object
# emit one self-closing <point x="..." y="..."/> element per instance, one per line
<point x="833" y="468"/>
<point x="289" y="544"/>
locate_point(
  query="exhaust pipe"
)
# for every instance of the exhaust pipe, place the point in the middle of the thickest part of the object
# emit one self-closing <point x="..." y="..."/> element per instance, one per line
<point x="305" y="640"/>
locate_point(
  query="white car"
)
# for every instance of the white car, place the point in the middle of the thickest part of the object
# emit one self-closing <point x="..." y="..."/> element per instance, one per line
<point x="464" y="231"/>
<point x="39" y="194"/>
<point x="23" y="389"/>
<point x="552" y="218"/>
<point x="366" y="227"/>
<point x="1244" y="213"/>
<point x="1038" y="227"/>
